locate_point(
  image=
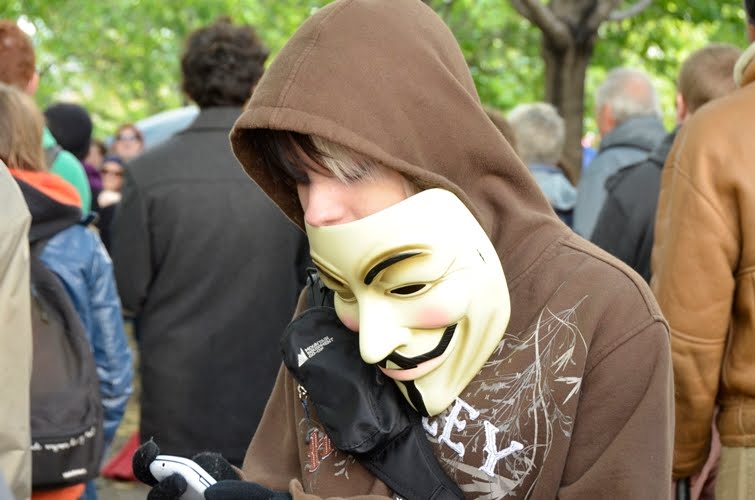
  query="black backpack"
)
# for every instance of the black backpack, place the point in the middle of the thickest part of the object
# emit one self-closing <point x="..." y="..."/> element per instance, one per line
<point x="66" y="407"/>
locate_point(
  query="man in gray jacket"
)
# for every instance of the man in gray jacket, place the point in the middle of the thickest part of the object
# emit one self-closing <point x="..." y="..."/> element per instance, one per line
<point x="16" y="337"/>
<point x="628" y="118"/>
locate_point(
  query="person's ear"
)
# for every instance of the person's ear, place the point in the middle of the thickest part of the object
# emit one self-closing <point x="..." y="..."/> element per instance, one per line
<point x="606" y="121"/>
<point x="750" y="32"/>
<point x="33" y="85"/>
<point x="682" y="111"/>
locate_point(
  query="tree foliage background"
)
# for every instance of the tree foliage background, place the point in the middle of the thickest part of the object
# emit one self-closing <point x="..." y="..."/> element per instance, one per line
<point x="120" y="59"/>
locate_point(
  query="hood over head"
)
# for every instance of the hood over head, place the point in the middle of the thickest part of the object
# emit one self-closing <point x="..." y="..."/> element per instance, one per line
<point x="388" y="80"/>
<point x="53" y="203"/>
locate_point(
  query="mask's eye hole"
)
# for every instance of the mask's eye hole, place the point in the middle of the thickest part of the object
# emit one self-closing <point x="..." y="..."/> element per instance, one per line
<point x="346" y="295"/>
<point x="408" y="289"/>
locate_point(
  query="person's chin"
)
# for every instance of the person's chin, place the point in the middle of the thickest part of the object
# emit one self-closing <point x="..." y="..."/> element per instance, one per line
<point x="391" y="370"/>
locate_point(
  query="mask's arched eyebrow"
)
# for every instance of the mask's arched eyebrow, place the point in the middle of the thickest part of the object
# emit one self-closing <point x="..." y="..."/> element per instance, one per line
<point x="328" y="275"/>
<point x="394" y="259"/>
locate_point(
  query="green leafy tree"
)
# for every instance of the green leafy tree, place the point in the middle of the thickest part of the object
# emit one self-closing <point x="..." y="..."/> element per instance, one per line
<point x="120" y="59"/>
<point x="559" y="51"/>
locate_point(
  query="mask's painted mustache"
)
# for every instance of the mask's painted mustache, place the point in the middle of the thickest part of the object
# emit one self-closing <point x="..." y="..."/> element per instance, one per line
<point x="407" y="363"/>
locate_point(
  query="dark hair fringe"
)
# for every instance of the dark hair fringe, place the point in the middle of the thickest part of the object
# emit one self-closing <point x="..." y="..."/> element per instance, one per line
<point x="282" y="152"/>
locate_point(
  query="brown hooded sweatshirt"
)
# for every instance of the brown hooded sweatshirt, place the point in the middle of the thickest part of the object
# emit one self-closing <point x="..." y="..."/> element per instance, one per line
<point x="582" y="377"/>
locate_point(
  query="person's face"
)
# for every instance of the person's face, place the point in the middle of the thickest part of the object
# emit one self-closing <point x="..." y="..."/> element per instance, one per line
<point x="326" y="200"/>
<point x="127" y="144"/>
<point x="420" y="282"/>
<point x="112" y="176"/>
<point x="94" y="157"/>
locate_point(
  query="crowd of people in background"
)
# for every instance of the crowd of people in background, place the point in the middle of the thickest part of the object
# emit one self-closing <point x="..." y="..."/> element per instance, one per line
<point x="207" y="267"/>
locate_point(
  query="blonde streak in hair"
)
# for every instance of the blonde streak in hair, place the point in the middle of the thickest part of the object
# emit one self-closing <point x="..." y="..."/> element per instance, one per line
<point x="345" y="163"/>
<point x="348" y="165"/>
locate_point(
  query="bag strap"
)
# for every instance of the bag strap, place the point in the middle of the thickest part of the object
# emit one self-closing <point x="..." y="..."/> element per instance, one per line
<point x="406" y="464"/>
<point x="683" y="489"/>
<point x="318" y="294"/>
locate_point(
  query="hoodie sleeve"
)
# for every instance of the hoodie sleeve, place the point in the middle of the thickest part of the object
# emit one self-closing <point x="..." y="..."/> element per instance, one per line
<point x="273" y="458"/>
<point x="130" y="247"/>
<point x="274" y="455"/>
<point x="111" y="351"/>
<point x="621" y="445"/>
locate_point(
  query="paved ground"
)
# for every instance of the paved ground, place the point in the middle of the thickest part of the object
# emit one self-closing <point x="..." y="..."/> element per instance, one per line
<point x="125" y="490"/>
<point x="107" y="490"/>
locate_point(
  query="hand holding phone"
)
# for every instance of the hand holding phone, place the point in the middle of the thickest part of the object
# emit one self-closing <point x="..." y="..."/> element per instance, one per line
<point x="196" y="477"/>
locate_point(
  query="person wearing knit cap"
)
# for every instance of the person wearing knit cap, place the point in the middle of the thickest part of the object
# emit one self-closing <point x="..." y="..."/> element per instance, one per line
<point x="71" y="126"/>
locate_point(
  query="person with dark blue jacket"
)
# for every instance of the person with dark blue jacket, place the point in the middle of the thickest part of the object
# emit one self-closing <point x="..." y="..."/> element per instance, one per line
<point x="77" y="256"/>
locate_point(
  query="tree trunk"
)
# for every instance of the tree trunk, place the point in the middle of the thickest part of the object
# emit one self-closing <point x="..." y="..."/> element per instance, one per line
<point x="565" y="72"/>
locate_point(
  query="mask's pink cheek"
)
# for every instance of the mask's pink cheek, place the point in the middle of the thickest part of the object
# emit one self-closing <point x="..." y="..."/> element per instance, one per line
<point x="349" y="321"/>
<point x="433" y="317"/>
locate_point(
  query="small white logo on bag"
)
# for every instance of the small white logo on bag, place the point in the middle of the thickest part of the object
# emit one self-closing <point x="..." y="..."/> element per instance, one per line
<point x="312" y="350"/>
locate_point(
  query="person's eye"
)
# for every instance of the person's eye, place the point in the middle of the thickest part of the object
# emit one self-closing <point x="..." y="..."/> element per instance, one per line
<point x="410" y="290"/>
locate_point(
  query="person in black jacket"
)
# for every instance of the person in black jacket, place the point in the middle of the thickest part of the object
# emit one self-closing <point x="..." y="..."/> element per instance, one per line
<point x="627" y="220"/>
<point x="208" y="265"/>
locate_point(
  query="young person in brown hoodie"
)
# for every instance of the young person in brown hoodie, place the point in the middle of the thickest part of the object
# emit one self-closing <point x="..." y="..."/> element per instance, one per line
<point x="555" y="378"/>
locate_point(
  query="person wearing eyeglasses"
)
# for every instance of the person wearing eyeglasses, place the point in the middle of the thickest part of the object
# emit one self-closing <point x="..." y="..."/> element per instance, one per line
<point x="128" y="142"/>
<point x="112" y="181"/>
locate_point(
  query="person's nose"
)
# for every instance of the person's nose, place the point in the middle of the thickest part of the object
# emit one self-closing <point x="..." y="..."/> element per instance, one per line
<point x="379" y="332"/>
<point x="326" y="203"/>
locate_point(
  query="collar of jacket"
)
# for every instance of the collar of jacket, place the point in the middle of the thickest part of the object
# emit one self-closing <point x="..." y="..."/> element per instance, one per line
<point x="49" y="212"/>
<point x="744" y="72"/>
<point x="214" y="118"/>
<point x="662" y="150"/>
<point x="642" y="131"/>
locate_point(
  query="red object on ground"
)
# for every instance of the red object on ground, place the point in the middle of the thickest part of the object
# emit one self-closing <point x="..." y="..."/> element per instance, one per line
<point x="68" y="493"/>
<point x="119" y="467"/>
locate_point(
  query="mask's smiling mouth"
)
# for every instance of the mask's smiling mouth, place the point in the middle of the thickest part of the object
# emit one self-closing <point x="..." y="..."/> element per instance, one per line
<point x="416" y="366"/>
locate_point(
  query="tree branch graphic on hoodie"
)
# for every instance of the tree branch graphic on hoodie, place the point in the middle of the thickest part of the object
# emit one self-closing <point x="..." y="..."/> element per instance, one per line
<point x="491" y="446"/>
